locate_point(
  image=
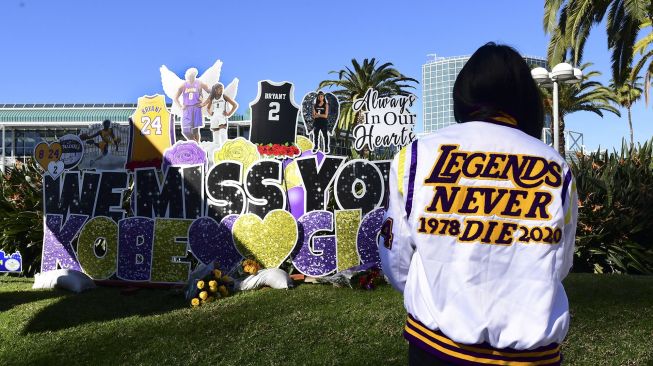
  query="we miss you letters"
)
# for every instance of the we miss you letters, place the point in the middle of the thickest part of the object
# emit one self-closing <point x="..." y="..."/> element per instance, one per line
<point x="142" y="225"/>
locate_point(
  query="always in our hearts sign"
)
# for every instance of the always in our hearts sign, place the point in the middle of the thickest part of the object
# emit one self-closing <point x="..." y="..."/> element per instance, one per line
<point x="387" y="120"/>
<point x="45" y="153"/>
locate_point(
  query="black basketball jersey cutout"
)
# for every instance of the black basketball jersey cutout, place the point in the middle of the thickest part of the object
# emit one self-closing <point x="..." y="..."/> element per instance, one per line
<point x="274" y="114"/>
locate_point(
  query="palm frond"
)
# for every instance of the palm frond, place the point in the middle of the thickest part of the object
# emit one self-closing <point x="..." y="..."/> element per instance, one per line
<point x="355" y="79"/>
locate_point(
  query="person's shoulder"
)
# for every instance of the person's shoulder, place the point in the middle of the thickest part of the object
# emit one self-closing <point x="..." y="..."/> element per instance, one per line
<point x="442" y="134"/>
<point x="520" y="142"/>
<point x="490" y="137"/>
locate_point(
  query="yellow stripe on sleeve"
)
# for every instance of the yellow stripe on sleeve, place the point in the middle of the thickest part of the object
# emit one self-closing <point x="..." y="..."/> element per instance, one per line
<point x="571" y="197"/>
<point x="401" y="170"/>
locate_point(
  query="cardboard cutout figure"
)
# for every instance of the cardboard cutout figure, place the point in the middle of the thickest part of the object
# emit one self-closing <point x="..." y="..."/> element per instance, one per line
<point x="103" y="142"/>
<point x="191" y="92"/>
<point x="191" y="89"/>
<point x="274" y="116"/>
<point x="320" y="112"/>
<point x="151" y="133"/>
<point x="220" y="105"/>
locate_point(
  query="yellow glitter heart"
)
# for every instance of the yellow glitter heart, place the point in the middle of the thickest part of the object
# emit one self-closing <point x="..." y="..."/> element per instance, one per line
<point x="269" y="241"/>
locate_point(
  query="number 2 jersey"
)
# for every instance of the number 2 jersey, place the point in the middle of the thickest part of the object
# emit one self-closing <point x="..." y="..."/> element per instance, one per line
<point x="151" y="132"/>
<point x="478" y="236"/>
<point x="274" y="114"/>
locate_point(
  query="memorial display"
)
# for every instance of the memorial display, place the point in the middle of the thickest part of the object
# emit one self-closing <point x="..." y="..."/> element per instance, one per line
<point x="166" y="206"/>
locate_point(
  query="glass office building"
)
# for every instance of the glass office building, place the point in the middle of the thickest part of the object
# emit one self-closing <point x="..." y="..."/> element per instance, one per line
<point x="438" y="77"/>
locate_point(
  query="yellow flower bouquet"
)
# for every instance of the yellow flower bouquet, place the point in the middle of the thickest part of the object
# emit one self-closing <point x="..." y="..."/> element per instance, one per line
<point x="209" y="288"/>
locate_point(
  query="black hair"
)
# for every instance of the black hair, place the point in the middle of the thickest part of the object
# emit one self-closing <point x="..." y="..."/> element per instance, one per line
<point x="106" y="123"/>
<point x="317" y="100"/>
<point x="214" y="93"/>
<point x="214" y="90"/>
<point x="497" y="81"/>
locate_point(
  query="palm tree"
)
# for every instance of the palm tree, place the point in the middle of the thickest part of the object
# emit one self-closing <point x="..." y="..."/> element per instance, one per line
<point x="626" y="95"/>
<point x="570" y="22"/>
<point x="354" y="81"/>
<point x="589" y="96"/>
<point x="642" y="47"/>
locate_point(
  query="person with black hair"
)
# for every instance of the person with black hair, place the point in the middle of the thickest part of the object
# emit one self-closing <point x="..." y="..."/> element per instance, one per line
<point x="321" y="122"/>
<point x="107" y="137"/>
<point x="480" y="225"/>
<point x="220" y="108"/>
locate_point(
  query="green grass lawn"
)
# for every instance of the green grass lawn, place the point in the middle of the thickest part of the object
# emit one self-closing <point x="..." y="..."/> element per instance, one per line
<point x="612" y="324"/>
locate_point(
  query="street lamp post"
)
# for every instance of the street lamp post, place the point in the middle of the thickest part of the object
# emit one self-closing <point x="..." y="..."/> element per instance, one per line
<point x="564" y="73"/>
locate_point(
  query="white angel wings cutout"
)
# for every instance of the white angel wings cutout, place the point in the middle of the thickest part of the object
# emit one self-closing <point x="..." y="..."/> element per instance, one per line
<point x="171" y="84"/>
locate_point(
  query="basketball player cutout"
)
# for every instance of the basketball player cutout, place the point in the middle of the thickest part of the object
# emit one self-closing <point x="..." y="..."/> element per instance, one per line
<point x="274" y="114"/>
<point x="107" y="137"/>
<point x="191" y="91"/>
<point x="221" y="105"/>
<point x="320" y="112"/>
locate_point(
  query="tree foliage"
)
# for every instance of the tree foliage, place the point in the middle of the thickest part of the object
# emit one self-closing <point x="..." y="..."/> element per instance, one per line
<point x="353" y="81"/>
<point x="21" y="217"/>
<point x="589" y="96"/>
<point x="570" y="21"/>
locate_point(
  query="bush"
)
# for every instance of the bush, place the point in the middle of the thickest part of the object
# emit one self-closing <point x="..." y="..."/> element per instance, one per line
<point x="21" y="214"/>
<point x="615" y="214"/>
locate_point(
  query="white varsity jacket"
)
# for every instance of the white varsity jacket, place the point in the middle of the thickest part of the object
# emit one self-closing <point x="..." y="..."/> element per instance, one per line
<point x="478" y="236"/>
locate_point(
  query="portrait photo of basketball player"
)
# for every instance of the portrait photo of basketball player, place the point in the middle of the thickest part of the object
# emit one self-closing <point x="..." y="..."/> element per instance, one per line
<point x="320" y="111"/>
<point x="191" y="93"/>
<point x="107" y="152"/>
<point x="107" y="137"/>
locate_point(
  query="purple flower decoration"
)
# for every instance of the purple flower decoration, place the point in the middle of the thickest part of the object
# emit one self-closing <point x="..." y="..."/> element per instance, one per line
<point x="184" y="153"/>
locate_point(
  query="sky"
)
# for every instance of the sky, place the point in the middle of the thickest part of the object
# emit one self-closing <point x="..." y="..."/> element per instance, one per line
<point x="66" y="51"/>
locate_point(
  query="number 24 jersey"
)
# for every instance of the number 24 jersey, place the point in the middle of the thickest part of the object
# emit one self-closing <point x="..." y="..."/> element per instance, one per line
<point x="152" y="131"/>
